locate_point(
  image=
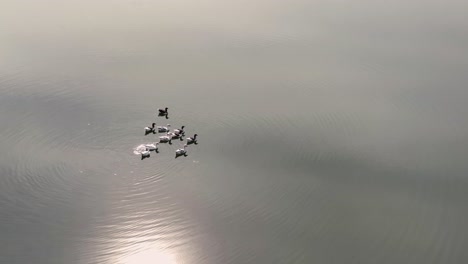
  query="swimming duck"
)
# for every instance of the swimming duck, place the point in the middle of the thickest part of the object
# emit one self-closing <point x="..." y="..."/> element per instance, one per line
<point x="152" y="147"/>
<point x="164" y="128"/>
<point x="174" y="135"/>
<point x="165" y="139"/>
<point x="191" y="140"/>
<point x="150" y="129"/>
<point x="145" y="153"/>
<point x="181" y="151"/>
<point x="180" y="131"/>
<point x="163" y="111"/>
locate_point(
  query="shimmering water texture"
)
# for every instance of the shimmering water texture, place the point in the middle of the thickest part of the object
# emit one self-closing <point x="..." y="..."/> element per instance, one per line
<point x="330" y="132"/>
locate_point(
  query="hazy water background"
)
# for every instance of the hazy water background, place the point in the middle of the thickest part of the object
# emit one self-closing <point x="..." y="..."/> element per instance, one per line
<point x="330" y="131"/>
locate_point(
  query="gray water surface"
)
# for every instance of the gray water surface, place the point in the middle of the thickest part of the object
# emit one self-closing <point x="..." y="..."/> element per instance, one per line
<point x="329" y="131"/>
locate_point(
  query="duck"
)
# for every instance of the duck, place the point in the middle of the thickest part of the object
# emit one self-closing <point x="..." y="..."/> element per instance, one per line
<point x="181" y="151"/>
<point x="164" y="128"/>
<point x="152" y="147"/>
<point x="191" y="140"/>
<point x="145" y="153"/>
<point x="163" y="111"/>
<point x="165" y="139"/>
<point x="150" y="129"/>
<point x="174" y="135"/>
<point x="180" y="131"/>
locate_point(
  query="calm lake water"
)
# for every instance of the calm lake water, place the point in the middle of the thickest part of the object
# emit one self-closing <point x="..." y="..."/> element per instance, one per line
<point x="329" y="131"/>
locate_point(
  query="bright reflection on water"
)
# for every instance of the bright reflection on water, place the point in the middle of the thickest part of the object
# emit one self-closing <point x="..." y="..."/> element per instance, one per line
<point x="148" y="256"/>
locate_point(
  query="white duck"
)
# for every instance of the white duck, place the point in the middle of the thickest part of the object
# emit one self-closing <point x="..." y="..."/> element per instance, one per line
<point x="164" y="128"/>
<point x="145" y="153"/>
<point x="181" y="151"/>
<point x="165" y="139"/>
<point x="152" y="147"/>
<point x="150" y="129"/>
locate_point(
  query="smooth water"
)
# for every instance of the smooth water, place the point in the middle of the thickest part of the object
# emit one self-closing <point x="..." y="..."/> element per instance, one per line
<point x="329" y="131"/>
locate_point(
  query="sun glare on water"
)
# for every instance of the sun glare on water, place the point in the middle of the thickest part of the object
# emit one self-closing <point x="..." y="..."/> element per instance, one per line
<point x="151" y="256"/>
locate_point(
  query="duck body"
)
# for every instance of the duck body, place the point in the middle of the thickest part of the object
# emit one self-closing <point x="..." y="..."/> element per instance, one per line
<point x="191" y="140"/>
<point x="180" y="131"/>
<point x="152" y="147"/>
<point x="163" y="111"/>
<point x="150" y="129"/>
<point x="175" y="135"/>
<point x="181" y="151"/>
<point x="165" y="139"/>
<point x="164" y="128"/>
<point x="145" y="153"/>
